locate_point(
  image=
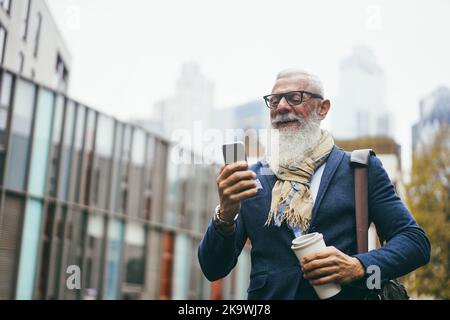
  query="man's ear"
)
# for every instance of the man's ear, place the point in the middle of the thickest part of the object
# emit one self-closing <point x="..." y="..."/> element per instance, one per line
<point x="323" y="109"/>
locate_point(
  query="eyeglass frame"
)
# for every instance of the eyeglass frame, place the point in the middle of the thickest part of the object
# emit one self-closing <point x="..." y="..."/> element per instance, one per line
<point x="313" y="96"/>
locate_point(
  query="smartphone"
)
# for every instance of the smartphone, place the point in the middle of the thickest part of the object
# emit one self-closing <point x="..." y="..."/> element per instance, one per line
<point x="234" y="152"/>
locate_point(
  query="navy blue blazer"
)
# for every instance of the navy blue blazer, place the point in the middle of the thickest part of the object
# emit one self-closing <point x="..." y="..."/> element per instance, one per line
<point x="275" y="271"/>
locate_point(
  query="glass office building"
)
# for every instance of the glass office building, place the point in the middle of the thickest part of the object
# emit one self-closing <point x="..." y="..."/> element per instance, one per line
<point x="80" y="188"/>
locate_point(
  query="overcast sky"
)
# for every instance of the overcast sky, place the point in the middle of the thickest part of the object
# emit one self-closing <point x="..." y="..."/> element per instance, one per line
<point x="127" y="54"/>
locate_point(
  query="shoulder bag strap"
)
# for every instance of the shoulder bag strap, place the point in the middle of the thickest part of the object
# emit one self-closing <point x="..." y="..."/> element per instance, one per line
<point x="360" y="161"/>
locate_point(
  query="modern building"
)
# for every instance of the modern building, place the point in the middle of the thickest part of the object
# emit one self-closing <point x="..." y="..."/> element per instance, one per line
<point x="389" y="153"/>
<point x="31" y="45"/>
<point x="80" y="189"/>
<point x="434" y="113"/>
<point x="86" y="195"/>
<point x="360" y="107"/>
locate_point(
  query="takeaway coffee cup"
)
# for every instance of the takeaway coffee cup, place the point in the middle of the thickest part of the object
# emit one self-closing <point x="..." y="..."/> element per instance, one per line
<point x="310" y="243"/>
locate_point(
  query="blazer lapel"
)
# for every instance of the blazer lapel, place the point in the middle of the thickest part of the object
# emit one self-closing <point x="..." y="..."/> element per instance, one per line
<point x="333" y="161"/>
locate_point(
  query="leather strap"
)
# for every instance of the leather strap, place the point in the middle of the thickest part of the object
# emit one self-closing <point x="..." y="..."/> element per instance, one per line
<point x="360" y="161"/>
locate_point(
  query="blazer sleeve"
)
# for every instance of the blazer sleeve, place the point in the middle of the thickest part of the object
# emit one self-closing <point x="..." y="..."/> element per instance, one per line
<point x="407" y="246"/>
<point x="218" y="254"/>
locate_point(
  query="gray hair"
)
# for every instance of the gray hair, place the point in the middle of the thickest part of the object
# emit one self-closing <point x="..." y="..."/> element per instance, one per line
<point x="313" y="80"/>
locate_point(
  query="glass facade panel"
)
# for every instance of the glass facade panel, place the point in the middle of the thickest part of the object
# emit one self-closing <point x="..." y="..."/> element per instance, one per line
<point x="104" y="148"/>
<point x="67" y="150"/>
<point x="173" y="188"/>
<point x="5" y="92"/>
<point x="94" y="250"/>
<point x="135" y="253"/>
<point x="117" y="167"/>
<point x="41" y="144"/>
<point x="78" y="154"/>
<point x="115" y="240"/>
<point x="182" y="266"/>
<point x="29" y="250"/>
<point x="20" y="135"/>
<point x="56" y="145"/>
<point x="86" y="178"/>
<point x="137" y="174"/>
<point x="122" y="195"/>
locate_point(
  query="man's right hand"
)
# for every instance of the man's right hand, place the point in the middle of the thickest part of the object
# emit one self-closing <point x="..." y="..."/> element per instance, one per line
<point x="235" y="183"/>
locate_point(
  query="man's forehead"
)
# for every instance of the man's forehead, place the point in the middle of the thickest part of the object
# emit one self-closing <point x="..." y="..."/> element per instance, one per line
<point x="290" y="84"/>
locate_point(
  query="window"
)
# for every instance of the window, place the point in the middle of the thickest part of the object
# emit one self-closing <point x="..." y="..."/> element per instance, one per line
<point x="62" y="74"/>
<point x="94" y="248"/>
<point x="9" y="244"/>
<point x="42" y="142"/>
<point x="37" y="34"/>
<point x="5" y="98"/>
<point x="29" y="250"/>
<point x="182" y="267"/>
<point x="122" y="191"/>
<point x="88" y="157"/>
<point x="5" y="92"/>
<point x="137" y="173"/>
<point x="56" y="145"/>
<point x="78" y="153"/>
<point x="21" y="62"/>
<point x="20" y="132"/>
<point x="25" y="19"/>
<point x="115" y="240"/>
<point x="6" y="5"/>
<point x="66" y="155"/>
<point x="46" y="243"/>
<point x="103" y="159"/>
<point x="3" y="34"/>
<point x="135" y="253"/>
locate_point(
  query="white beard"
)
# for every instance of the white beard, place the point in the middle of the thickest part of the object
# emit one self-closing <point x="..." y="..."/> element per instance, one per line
<point x="293" y="144"/>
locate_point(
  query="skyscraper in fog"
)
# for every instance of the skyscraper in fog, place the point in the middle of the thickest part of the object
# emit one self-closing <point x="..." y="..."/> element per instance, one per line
<point x="360" y="107"/>
<point x="434" y="113"/>
<point x="192" y="101"/>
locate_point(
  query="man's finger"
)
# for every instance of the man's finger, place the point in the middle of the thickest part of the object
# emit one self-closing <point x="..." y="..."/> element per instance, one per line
<point x="229" y="169"/>
<point x="322" y="254"/>
<point x="324" y="280"/>
<point x="321" y="272"/>
<point x="318" y="263"/>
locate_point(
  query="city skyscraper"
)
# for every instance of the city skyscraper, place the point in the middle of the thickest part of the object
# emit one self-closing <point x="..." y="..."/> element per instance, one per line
<point x="193" y="100"/>
<point x="360" y="106"/>
<point x="434" y="113"/>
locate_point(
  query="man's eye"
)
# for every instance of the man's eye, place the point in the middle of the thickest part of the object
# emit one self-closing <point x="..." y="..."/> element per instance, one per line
<point x="274" y="100"/>
<point x="296" y="98"/>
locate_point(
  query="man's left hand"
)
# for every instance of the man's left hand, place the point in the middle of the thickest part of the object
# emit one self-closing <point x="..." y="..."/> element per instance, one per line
<point x="331" y="265"/>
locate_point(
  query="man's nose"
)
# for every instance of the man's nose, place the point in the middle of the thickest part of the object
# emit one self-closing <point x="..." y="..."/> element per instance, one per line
<point x="283" y="106"/>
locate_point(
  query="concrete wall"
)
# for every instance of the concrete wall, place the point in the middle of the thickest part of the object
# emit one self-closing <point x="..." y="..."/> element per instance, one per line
<point x="41" y="68"/>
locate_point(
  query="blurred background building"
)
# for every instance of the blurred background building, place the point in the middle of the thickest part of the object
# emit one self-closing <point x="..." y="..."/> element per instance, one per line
<point x="78" y="187"/>
<point x="360" y="108"/>
<point x="434" y="114"/>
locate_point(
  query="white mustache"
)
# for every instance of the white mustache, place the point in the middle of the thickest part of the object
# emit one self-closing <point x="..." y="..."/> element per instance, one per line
<point x="279" y="118"/>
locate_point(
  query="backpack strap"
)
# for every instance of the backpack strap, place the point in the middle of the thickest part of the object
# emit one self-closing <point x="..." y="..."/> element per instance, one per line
<point x="360" y="161"/>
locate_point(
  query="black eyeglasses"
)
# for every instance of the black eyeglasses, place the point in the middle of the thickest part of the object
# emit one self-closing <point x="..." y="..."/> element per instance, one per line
<point x="293" y="98"/>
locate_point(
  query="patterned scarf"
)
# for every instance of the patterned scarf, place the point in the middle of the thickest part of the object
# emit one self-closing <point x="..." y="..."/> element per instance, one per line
<point x="298" y="212"/>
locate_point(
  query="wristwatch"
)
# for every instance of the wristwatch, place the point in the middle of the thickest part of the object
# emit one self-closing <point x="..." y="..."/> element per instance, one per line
<point x="219" y="222"/>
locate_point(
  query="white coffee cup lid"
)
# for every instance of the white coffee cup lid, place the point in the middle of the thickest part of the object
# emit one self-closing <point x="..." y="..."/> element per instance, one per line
<point x="306" y="240"/>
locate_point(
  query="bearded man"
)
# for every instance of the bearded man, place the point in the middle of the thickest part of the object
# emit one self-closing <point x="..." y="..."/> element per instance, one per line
<point x="310" y="188"/>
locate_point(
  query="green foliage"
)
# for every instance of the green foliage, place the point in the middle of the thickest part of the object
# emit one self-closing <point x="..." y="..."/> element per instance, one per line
<point x="429" y="201"/>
